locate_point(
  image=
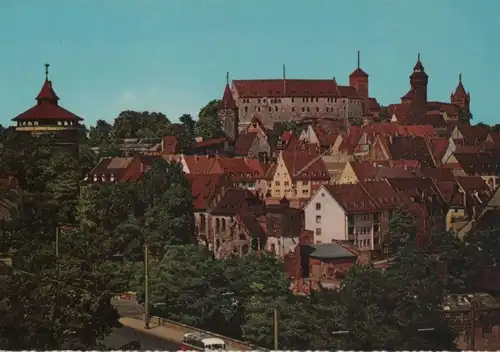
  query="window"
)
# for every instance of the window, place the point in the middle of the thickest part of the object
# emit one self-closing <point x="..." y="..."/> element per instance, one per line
<point x="277" y="183"/>
<point x="269" y="108"/>
<point x="305" y="183"/>
<point x="318" y="219"/>
<point x="287" y="183"/>
<point x="308" y="109"/>
<point x="293" y="109"/>
<point x="317" y="109"/>
<point x="293" y="100"/>
<point x="276" y="108"/>
<point x="318" y="206"/>
<point x="318" y="231"/>
<point x="246" y="108"/>
<point x="258" y="108"/>
<point x="303" y="109"/>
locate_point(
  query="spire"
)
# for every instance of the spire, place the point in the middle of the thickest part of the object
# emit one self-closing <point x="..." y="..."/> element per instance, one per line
<point x="47" y="71"/>
<point x="418" y="66"/>
<point x="47" y="94"/>
<point x="227" y="101"/>
<point x="460" y="92"/>
<point x="358" y="72"/>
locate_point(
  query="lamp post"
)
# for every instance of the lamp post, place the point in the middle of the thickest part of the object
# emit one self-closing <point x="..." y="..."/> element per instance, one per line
<point x="146" y="288"/>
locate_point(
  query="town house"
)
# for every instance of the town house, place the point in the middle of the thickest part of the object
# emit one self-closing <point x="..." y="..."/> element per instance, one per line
<point x="352" y="212"/>
<point x="296" y="175"/>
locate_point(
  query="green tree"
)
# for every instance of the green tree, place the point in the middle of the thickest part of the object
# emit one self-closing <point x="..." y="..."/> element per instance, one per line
<point x="186" y="138"/>
<point x="402" y="229"/>
<point x="398" y="306"/>
<point x="356" y="121"/>
<point x="209" y="125"/>
<point x="166" y="196"/>
<point x="133" y="124"/>
<point x="63" y="183"/>
<point x="100" y="133"/>
<point x="383" y="115"/>
<point x="464" y="116"/>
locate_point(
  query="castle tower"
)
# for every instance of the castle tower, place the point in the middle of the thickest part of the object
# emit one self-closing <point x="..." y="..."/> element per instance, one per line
<point x="48" y="117"/>
<point x="359" y="80"/>
<point x="418" y="82"/>
<point x="228" y="112"/>
<point x="460" y="97"/>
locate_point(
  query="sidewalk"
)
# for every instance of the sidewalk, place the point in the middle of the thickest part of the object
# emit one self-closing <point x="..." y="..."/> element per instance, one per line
<point x="161" y="332"/>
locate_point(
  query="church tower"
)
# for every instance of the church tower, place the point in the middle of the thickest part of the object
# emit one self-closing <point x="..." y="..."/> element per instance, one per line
<point x="359" y="80"/>
<point x="460" y="97"/>
<point x="48" y="117"/>
<point x="228" y="112"/>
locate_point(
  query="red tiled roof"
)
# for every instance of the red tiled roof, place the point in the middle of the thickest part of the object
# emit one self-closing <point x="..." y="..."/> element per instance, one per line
<point x="303" y="165"/>
<point x="353" y="198"/>
<point x="482" y="163"/>
<point x="365" y="196"/>
<point x="244" y="143"/>
<point x="235" y="201"/>
<point x="358" y="72"/>
<point x="47" y="107"/>
<point x="209" y="143"/>
<point x="411" y="148"/>
<point x="438" y="147"/>
<point x="438" y="173"/>
<point x="294" y="88"/>
<point x="202" y="187"/>
<point x="325" y="138"/>
<point x="117" y="167"/>
<point x="199" y="164"/>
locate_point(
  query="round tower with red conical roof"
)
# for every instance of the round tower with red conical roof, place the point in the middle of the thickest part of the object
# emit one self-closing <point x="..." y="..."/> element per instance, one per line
<point x="418" y="82"/>
<point x="48" y="117"/>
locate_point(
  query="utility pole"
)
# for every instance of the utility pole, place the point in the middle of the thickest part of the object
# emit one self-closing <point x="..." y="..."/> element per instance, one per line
<point x="57" y="242"/>
<point x="473" y="327"/>
<point x="146" y="289"/>
<point x="275" y="329"/>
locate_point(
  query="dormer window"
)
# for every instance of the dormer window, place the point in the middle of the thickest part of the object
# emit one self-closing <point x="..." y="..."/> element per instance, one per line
<point x="95" y="178"/>
<point x="59" y="123"/>
<point x="112" y="178"/>
<point x="35" y="123"/>
<point x="103" y="178"/>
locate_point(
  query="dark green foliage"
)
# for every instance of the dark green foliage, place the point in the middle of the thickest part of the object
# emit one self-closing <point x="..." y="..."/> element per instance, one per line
<point x="356" y="121"/>
<point x="133" y="124"/>
<point x="464" y="116"/>
<point x="209" y="125"/>
<point x="158" y="209"/>
<point x="402" y="229"/>
<point x="383" y="115"/>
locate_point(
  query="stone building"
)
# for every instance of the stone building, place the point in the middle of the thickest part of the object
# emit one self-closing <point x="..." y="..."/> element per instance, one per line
<point x="279" y="100"/>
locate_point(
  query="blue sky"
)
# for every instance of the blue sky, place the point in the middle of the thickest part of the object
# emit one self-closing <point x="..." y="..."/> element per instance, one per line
<point x="172" y="55"/>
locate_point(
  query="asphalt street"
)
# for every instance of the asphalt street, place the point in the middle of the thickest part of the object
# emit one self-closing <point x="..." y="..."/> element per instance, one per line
<point x="124" y="335"/>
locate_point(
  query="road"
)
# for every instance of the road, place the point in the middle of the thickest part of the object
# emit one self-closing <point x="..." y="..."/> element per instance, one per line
<point x="123" y="335"/>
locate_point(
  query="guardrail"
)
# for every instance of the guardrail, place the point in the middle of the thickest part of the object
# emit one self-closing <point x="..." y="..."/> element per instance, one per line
<point x="231" y="344"/>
